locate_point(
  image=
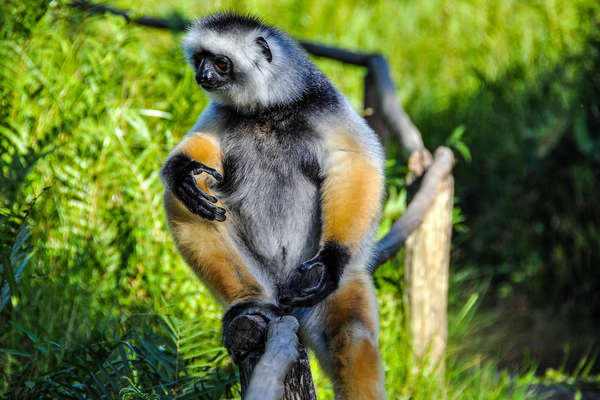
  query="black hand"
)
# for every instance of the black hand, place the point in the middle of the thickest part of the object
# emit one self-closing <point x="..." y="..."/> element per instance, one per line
<point x="316" y="278"/>
<point x="179" y="173"/>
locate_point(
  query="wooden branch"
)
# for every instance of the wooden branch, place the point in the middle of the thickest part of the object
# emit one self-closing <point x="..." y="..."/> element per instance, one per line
<point x="174" y="22"/>
<point x="391" y="243"/>
<point x="281" y="352"/>
<point x="372" y="108"/>
<point x="335" y="53"/>
<point x="274" y="364"/>
<point x="94" y="8"/>
<point x="393" y="114"/>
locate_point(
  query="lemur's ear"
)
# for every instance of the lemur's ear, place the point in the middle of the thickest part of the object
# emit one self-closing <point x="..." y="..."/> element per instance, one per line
<point x="264" y="46"/>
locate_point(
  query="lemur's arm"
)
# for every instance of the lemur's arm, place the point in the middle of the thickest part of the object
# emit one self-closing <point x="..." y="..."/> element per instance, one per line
<point x="351" y="203"/>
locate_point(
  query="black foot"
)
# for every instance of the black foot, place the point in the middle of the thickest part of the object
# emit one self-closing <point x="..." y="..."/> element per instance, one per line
<point x="242" y="335"/>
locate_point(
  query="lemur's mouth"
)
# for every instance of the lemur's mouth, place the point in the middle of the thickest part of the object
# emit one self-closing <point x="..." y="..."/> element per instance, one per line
<point x="210" y="81"/>
<point x="212" y="86"/>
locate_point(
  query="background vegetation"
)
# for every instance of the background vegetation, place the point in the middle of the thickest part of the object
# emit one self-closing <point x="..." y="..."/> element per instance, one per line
<point x="96" y="303"/>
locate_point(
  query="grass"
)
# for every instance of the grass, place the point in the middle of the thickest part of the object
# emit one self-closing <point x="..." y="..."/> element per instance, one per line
<point x="96" y="301"/>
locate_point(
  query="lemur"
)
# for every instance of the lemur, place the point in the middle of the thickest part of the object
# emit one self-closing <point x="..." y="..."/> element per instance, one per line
<point x="274" y="195"/>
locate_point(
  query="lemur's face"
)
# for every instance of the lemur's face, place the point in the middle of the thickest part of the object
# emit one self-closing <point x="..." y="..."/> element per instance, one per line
<point x="228" y="66"/>
<point x="213" y="71"/>
<point x="243" y="63"/>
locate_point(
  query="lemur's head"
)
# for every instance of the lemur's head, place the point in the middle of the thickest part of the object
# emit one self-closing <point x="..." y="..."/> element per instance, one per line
<point x="241" y="62"/>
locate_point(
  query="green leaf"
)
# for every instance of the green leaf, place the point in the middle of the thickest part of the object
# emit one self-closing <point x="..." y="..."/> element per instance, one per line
<point x="15" y="352"/>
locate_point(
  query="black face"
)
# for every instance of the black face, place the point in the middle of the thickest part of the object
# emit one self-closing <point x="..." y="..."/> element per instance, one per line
<point x="213" y="71"/>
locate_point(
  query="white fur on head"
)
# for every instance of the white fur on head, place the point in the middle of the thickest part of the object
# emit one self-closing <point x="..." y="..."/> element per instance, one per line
<point x="258" y="83"/>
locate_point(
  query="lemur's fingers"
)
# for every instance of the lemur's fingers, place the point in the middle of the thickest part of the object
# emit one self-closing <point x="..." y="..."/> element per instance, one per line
<point x="193" y="188"/>
<point x="220" y="214"/>
<point x="179" y="173"/>
<point x="211" y="171"/>
<point x="193" y="194"/>
<point x="189" y="194"/>
<point x="308" y="285"/>
<point x="195" y="206"/>
<point x="318" y="293"/>
<point x="267" y="311"/>
<point x="313" y="274"/>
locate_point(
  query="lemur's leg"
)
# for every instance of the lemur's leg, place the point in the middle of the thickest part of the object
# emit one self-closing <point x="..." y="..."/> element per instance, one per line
<point x="207" y="248"/>
<point x="351" y="328"/>
<point x="203" y="236"/>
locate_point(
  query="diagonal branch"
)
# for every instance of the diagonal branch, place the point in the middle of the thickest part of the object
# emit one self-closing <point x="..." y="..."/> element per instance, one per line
<point x="280" y="354"/>
<point x="391" y="243"/>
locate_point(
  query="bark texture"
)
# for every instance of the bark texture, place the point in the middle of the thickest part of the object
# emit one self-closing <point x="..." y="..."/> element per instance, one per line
<point x="427" y="257"/>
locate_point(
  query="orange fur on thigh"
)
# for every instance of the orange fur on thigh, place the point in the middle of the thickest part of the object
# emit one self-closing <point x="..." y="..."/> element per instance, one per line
<point x="351" y="194"/>
<point x="352" y="302"/>
<point x="357" y="367"/>
<point x="206" y="247"/>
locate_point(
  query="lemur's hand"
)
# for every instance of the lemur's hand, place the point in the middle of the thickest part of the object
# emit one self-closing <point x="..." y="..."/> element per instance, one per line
<point x="316" y="278"/>
<point x="179" y="173"/>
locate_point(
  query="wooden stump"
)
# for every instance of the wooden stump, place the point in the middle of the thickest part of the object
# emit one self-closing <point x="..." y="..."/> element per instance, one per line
<point x="427" y="258"/>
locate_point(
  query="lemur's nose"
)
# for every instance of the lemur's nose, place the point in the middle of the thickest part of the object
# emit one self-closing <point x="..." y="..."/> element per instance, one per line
<point x="205" y="77"/>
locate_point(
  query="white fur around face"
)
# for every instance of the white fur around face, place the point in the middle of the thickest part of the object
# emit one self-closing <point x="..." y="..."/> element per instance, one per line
<point x="259" y="83"/>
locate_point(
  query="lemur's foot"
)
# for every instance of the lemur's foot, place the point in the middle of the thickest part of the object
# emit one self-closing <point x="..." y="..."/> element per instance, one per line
<point x="257" y="308"/>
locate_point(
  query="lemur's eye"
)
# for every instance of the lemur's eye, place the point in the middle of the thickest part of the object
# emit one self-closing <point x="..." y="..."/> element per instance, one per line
<point x="221" y="65"/>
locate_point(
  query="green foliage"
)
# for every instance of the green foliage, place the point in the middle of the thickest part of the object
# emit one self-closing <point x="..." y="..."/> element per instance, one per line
<point x="12" y="269"/>
<point x="537" y="154"/>
<point x="137" y="357"/>
<point x="94" y="246"/>
<point x="17" y="18"/>
<point x="90" y="107"/>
